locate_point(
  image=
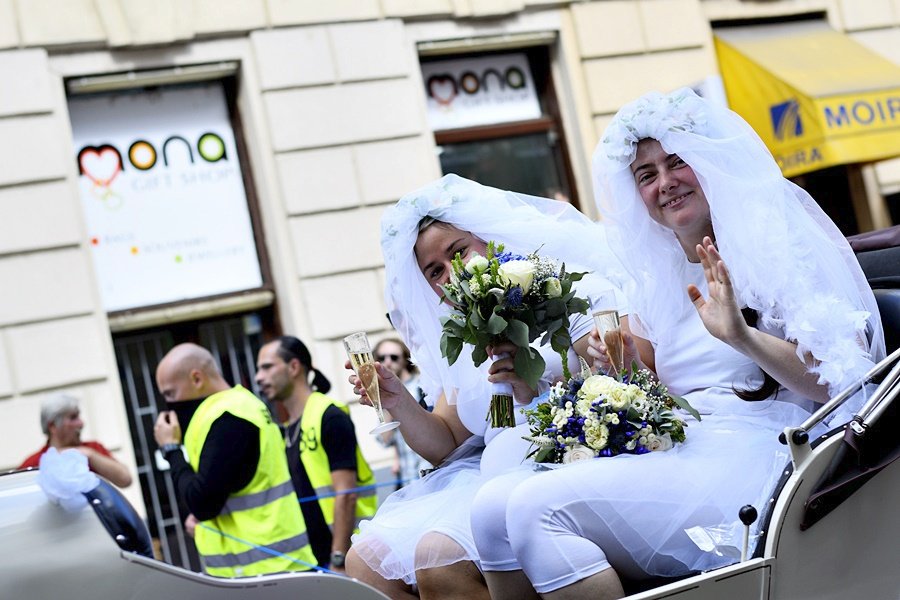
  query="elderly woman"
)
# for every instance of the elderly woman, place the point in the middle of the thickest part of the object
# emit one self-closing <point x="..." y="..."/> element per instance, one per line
<point x="421" y="534"/>
<point x="687" y="188"/>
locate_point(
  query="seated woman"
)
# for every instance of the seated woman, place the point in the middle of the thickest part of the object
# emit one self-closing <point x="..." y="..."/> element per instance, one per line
<point x="686" y="187"/>
<point x="421" y="534"/>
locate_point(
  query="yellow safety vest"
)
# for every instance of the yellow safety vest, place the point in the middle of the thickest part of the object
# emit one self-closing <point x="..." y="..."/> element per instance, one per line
<point x="265" y="513"/>
<point x="315" y="462"/>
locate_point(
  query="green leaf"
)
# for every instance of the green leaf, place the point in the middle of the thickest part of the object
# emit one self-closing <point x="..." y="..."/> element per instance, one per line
<point x="578" y="305"/>
<point x="496" y="324"/>
<point x="685" y="405"/>
<point x="556" y="307"/>
<point x="450" y="348"/>
<point x="554" y="326"/>
<point x="479" y="355"/>
<point x="561" y="340"/>
<point x="517" y="333"/>
<point x="529" y="365"/>
<point x="545" y="454"/>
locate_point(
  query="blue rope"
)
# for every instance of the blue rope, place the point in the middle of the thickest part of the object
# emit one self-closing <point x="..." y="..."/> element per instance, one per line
<point x="355" y="490"/>
<point x="270" y="551"/>
<point x="307" y="499"/>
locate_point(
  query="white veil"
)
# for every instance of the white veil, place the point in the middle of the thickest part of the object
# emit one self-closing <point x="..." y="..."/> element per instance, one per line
<point x="523" y="223"/>
<point x="788" y="261"/>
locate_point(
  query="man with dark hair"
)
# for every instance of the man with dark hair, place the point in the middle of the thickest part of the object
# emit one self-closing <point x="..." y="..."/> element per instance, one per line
<point x="237" y="484"/>
<point x="61" y="422"/>
<point x="322" y="452"/>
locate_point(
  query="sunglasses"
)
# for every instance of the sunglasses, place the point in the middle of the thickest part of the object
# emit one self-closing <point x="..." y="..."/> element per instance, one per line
<point x="383" y="357"/>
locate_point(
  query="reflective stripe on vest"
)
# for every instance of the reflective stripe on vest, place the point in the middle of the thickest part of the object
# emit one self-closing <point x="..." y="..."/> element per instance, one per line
<point x="256" y="554"/>
<point x="264" y="513"/>
<point x="315" y="461"/>
<point x="235" y="503"/>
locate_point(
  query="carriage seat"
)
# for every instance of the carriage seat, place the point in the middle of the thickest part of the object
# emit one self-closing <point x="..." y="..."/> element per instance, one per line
<point x="882" y="269"/>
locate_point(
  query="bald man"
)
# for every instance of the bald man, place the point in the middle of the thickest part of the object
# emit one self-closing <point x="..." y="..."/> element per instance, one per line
<point x="237" y="484"/>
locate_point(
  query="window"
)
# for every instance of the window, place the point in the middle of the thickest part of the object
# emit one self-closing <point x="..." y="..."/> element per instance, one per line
<point x="496" y="120"/>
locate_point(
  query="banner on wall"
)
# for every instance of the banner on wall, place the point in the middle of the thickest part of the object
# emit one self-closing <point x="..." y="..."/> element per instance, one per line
<point x="816" y="97"/>
<point x="163" y="196"/>
<point x="479" y="91"/>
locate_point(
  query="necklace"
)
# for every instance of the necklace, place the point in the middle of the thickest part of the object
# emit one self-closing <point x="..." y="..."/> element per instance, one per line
<point x="290" y="437"/>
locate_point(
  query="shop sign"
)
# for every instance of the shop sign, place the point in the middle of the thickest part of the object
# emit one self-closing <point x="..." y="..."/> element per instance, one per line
<point x="479" y="91"/>
<point x="163" y="196"/>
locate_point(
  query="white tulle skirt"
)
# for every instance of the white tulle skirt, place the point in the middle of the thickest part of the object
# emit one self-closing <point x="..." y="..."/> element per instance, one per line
<point x="395" y="543"/>
<point x="659" y="514"/>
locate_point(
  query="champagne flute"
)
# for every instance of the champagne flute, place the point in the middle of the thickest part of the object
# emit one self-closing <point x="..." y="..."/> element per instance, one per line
<point x="606" y="319"/>
<point x="360" y="353"/>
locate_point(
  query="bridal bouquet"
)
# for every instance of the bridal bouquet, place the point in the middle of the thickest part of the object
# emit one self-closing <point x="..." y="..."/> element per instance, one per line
<point x="596" y="415"/>
<point x="507" y="297"/>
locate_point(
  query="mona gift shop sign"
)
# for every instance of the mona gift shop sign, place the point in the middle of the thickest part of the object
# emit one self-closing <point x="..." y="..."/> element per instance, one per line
<point x="479" y="91"/>
<point x="163" y="196"/>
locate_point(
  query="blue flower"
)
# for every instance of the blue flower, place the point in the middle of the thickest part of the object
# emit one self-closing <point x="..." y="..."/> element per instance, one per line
<point x="504" y="257"/>
<point x="514" y="297"/>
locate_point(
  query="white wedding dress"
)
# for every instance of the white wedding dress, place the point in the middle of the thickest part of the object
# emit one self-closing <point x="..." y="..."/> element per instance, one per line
<point x="664" y="513"/>
<point x="441" y="501"/>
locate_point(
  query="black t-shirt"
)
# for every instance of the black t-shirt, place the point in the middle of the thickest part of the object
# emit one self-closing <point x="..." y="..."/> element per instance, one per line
<point x="228" y="462"/>
<point x="339" y="442"/>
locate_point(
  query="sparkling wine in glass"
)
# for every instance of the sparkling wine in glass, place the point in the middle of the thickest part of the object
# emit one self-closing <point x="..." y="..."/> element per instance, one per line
<point x="360" y="353"/>
<point x="606" y="319"/>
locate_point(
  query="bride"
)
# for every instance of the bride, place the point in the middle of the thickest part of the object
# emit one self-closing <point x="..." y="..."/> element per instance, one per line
<point x="421" y="535"/>
<point x="686" y="187"/>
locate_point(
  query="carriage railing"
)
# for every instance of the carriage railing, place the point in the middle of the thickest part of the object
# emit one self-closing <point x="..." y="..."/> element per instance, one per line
<point x="869" y="411"/>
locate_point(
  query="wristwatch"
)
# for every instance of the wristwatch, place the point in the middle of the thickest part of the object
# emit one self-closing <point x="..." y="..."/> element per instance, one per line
<point x="337" y="559"/>
<point x="166" y="448"/>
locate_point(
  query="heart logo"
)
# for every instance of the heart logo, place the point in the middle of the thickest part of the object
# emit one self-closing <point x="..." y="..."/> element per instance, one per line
<point x="100" y="164"/>
<point x="442" y="88"/>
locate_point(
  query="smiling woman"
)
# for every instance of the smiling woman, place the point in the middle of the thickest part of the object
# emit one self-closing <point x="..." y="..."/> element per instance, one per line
<point x="438" y="244"/>
<point x="422" y="533"/>
<point x="672" y="194"/>
<point x="673" y="171"/>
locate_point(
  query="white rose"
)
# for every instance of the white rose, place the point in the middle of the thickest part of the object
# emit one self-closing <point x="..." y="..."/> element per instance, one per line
<point x="597" y="436"/>
<point x="576" y="453"/>
<point x="517" y="272"/>
<point x="660" y="443"/>
<point x="597" y="385"/>
<point x="476" y="264"/>
<point x="553" y="288"/>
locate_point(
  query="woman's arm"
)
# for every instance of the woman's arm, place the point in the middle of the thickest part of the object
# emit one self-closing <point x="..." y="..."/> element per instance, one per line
<point x="722" y="318"/>
<point x="431" y="435"/>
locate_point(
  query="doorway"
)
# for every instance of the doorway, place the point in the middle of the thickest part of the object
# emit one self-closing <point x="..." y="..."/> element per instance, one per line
<point x="234" y="342"/>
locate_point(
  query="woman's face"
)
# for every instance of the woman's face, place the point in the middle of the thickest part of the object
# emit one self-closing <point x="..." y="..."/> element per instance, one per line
<point x="670" y="190"/>
<point x="437" y="245"/>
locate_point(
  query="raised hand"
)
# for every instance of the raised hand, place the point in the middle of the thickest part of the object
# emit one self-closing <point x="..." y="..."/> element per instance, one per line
<point x="720" y="313"/>
<point x="391" y="388"/>
<point x="167" y="429"/>
<point x="502" y="370"/>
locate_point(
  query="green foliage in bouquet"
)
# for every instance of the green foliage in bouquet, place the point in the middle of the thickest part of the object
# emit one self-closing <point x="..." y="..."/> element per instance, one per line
<point x="507" y="297"/>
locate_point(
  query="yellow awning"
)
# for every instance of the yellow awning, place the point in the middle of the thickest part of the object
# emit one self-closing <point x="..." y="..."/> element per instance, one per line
<point x="816" y="97"/>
